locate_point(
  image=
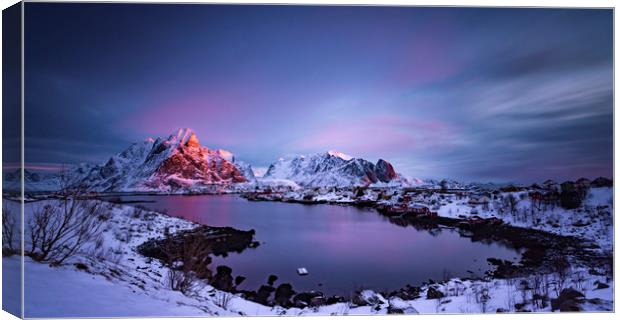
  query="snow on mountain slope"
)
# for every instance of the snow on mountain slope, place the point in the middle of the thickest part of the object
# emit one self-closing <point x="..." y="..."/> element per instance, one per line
<point x="176" y="164"/>
<point x="332" y="168"/>
<point x="34" y="181"/>
<point x="44" y="181"/>
<point x="180" y="164"/>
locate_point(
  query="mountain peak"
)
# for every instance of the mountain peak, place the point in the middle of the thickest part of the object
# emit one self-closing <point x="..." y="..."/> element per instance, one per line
<point x="339" y="154"/>
<point x="181" y="136"/>
<point x="193" y="142"/>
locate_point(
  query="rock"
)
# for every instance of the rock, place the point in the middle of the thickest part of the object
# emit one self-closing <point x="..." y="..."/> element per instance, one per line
<point x="81" y="266"/>
<point x="304" y="299"/>
<point x="283" y="295"/>
<point x="407" y="293"/>
<point x="358" y="300"/>
<point x="433" y="293"/>
<point x="318" y="301"/>
<point x="272" y="279"/>
<point x="223" y="279"/>
<point x="239" y="280"/>
<point x="263" y="294"/>
<point x="600" y="285"/>
<point x="335" y="299"/>
<point x="569" y="300"/>
<point x="248" y="295"/>
<point x="367" y="297"/>
<point x="395" y="310"/>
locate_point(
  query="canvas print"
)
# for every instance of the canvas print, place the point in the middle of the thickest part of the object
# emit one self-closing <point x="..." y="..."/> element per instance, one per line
<point x="267" y="160"/>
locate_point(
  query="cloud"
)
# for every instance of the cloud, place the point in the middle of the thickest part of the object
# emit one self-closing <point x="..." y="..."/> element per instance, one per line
<point x="377" y="136"/>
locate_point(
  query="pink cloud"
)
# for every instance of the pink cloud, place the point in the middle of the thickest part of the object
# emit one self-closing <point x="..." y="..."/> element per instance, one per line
<point x="387" y="135"/>
<point x="33" y="166"/>
<point x="215" y="116"/>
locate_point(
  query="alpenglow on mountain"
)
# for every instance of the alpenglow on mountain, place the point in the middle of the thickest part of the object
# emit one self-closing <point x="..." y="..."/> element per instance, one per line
<point x="333" y="168"/>
<point x="178" y="163"/>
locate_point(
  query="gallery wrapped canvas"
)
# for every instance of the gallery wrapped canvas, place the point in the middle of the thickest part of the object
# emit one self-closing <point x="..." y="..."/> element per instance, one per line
<point x="214" y="160"/>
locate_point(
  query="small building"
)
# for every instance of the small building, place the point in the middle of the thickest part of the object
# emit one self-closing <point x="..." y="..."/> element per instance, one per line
<point x="475" y="200"/>
<point x="538" y="196"/>
<point x="419" y="209"/>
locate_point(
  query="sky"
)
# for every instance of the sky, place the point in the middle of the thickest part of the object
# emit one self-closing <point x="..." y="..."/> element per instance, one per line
<point x="474" y="94"/>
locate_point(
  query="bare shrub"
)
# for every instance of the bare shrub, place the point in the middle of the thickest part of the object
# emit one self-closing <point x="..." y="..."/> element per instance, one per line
<point x="97" y="250"/>
<point x="511" y="202"/>
<point x="58" y="232"/>
<point x="446" y="275"/>
<point x="114" y="255"/>
<point x="538" y="291"/>
<point x="123" y="236"/>
<point x="524" y="288"/>
<point x="345" y="308"/>
<point x="510" y="296"/>
<point x="137" y="213"/>
<point x="222" y="299"/>
<point x="483" y="298"/>
<point x="580" y="280"/>
<point x="8" y="232"/>
<point x="188" y="263"/>
<point x="561" y="268"/>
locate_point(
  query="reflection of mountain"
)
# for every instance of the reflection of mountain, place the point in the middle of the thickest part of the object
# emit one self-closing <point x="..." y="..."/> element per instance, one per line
<point x="332" y="169"/>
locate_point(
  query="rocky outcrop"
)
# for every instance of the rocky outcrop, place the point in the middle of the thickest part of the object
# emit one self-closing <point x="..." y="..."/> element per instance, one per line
<point x="434" y="293"/>
<point x="385" y="171"/>
<point x="568" y="301"/>
<point x="220" y="241"/>
<point x="223" y="279"/>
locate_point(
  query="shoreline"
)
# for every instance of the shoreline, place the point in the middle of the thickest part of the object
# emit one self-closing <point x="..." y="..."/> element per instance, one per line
<point x="479" y="230"/>
<point x="540" y="249"/>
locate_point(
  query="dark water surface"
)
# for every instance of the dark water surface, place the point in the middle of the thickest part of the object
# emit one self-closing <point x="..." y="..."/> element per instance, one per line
<point x="343" y="248"/>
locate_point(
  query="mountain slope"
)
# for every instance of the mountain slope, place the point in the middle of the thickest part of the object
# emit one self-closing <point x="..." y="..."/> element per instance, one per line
<point x="332" y="169"/>
<point x="176" y="164"/>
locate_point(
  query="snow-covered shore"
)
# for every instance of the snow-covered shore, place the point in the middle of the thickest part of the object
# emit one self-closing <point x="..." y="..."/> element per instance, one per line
<point x="114" y="280"/>
<point x="592" y="220"/>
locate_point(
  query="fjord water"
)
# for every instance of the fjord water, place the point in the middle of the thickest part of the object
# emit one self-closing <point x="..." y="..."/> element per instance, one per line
<point x="344" y="248"/>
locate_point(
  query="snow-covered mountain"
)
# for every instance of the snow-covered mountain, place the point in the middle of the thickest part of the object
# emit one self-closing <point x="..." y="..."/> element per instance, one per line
<point x="34" y="181"/>
<point x="178" y="163"/>
<point x="332" y="168"/>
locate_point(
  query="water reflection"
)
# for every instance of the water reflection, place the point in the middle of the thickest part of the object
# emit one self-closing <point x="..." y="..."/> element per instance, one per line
<point x="344" y="248"/>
